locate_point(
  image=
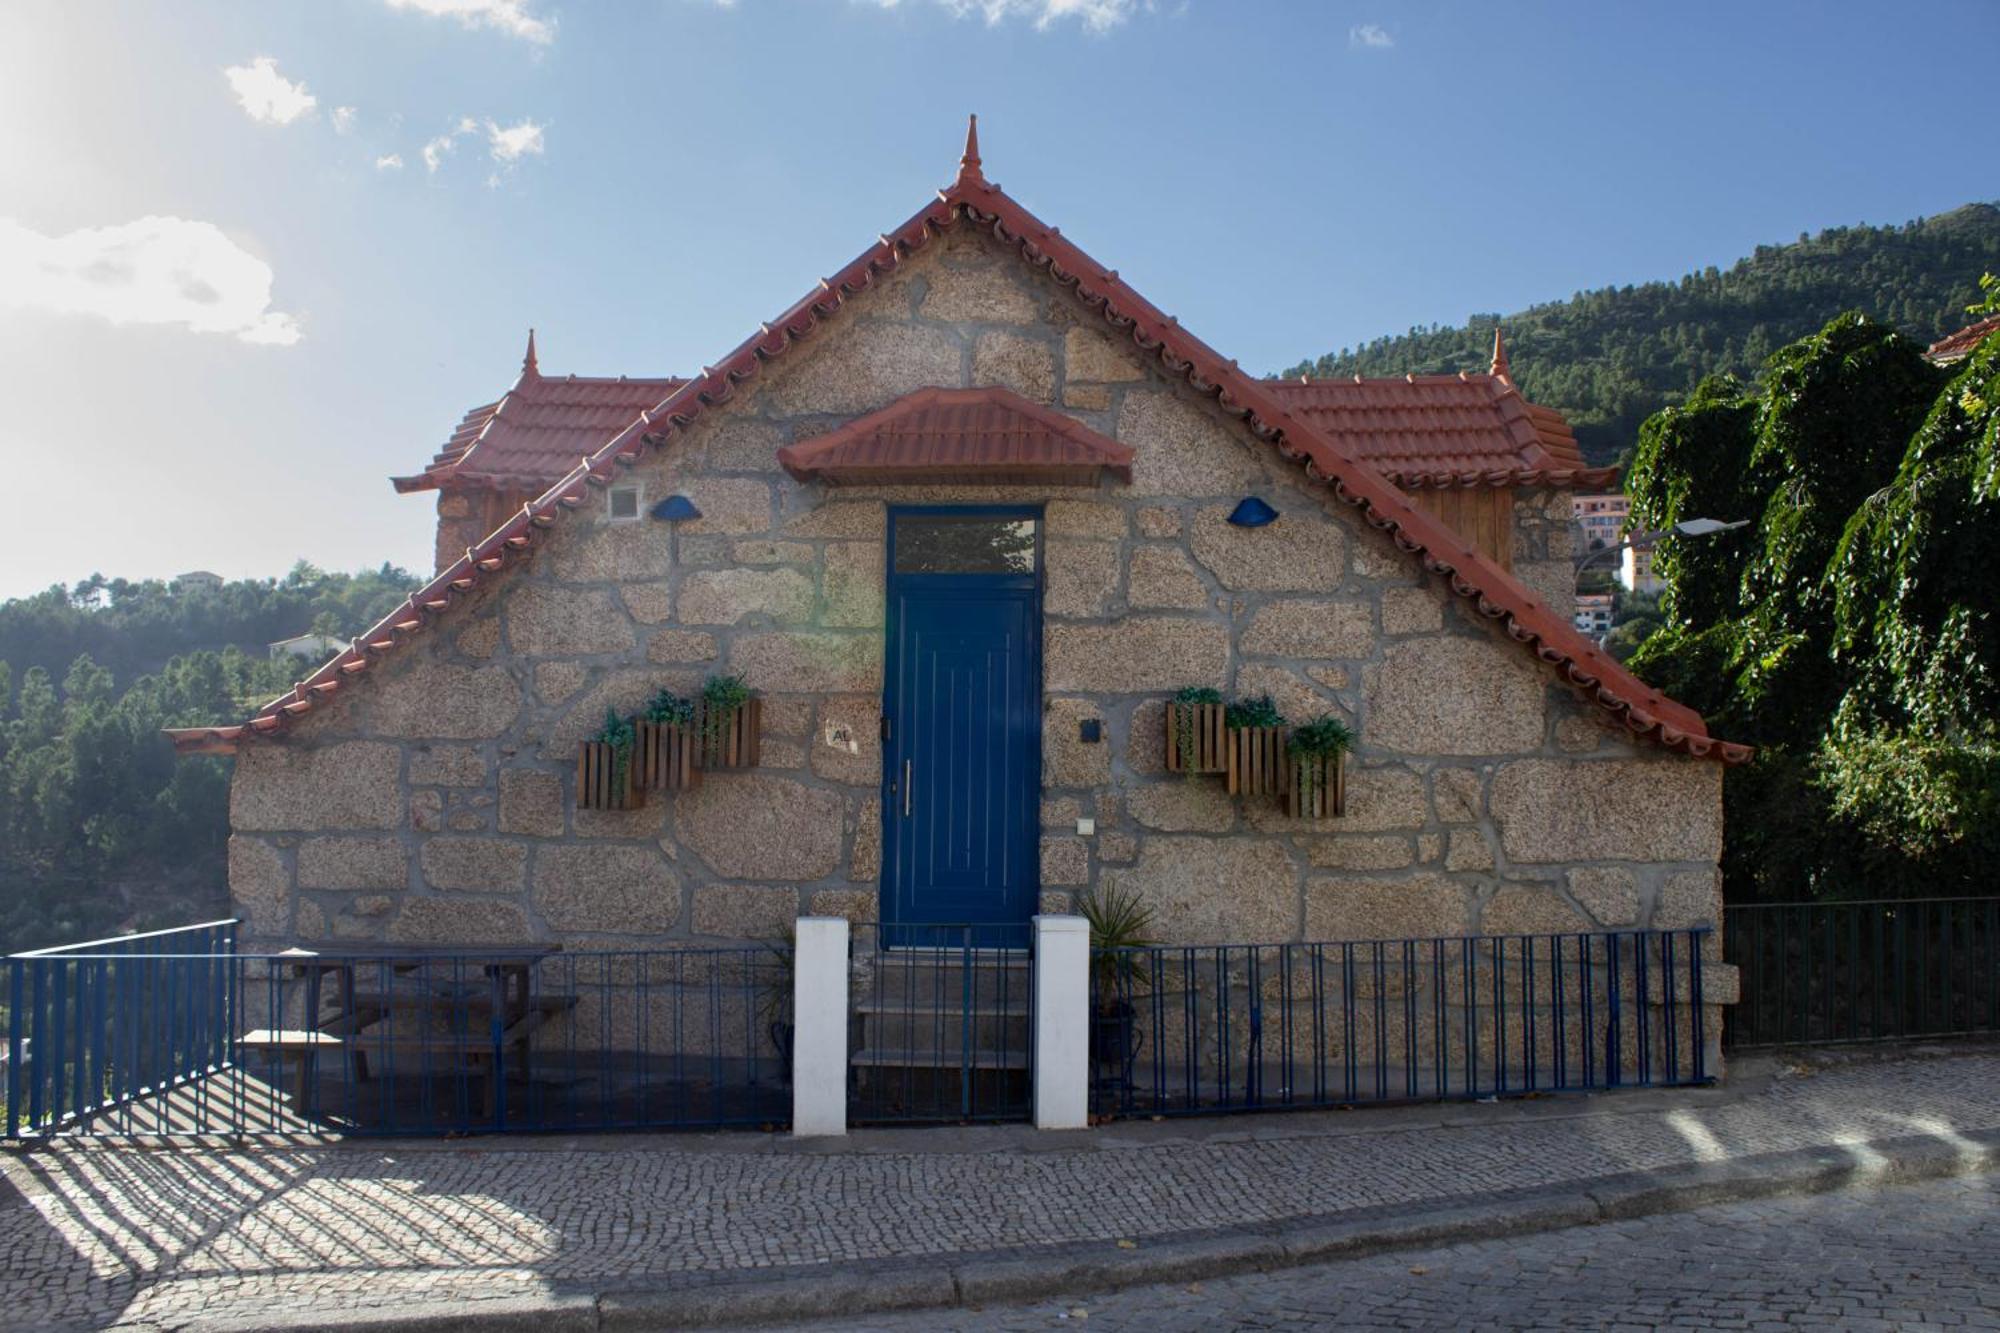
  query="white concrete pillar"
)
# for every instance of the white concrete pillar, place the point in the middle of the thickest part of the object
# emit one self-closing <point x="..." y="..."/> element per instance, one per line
<point x="819" y="1032"/>
<point x="1062" y="1022"/>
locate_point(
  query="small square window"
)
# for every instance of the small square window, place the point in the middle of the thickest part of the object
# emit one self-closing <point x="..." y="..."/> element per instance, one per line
<point x="624" y="502"/>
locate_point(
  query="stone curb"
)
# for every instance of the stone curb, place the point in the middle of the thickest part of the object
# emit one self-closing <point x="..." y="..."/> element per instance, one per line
<point x="886" y="1286"/>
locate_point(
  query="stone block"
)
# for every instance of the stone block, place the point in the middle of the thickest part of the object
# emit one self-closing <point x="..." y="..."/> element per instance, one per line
<point x="607" y="552"/>
<point x="1297" y="697"/>
<point x="741" y="912"/>
<point x="443" y="699"/>
<point x="1094" y="356"/>
<point x="479" y="865"/>
<point x="1159" y="522"/>
<point x="727" y="504"/>
<point x="458" y="921"/>
<point x="1689" y="898"/>
<point x="1184" y="450"/>
<point x="1141" y="654"/>
<point x="426" y="811"/>
<point x="988" y="294"/>
<point x="1059" y="811"/>
<point x="854" y="904"/>
<point x="1202" y="890"/>
<point x="531" y="803"/>
<point x="756" y="826"/>
<point x="845" y="520"/>
<point x="1310" y="627"/>
<point x="681" y="645"/>
<point x="1667" y="808"/>
<point x="1454" y="695"/>
<point x="624" y="691"/>
<point x="1146" y="741"/>
<point x="1423" y="906"/>
<point x="1467" y="849"/>
<point x="1609" y="893"/>
<point x="1086" y="397"/>
<point x="788" y="714"/>
<point x="865" y="864"/>
<point x="1416" y="610"/>
<point x="557" y="681"/>
<point x="726" y="596"/>
<point x="1067" y="760"/>
<point x="446" y="766"/>
<point x="1177" y="804"/>
<point x="260" y="887"/>
<point x="1084" y="518"/>
<point x="648" y="821"/>
<point x="1079" y="577"/>
<point x="1456" y="795"/>
<point x="480" y="639"/>
<point x="1304" y="550"/>
<point x="1117" y="848"/>
<point x="1162" y="577"/>
<point x="620" y="890"/>
<point x="1016" y="361"/>
<point x="742" y="444"/>
<point x="298" y="785"/>
<point x="854" y="584"/>
<point x="353" y="863"/>
<point x="648" y="603"/>
<point x="808" y="663"/>
<point x="548" y="620"/>
<point x="1065" y="861"/>
<point x="848" y="745"/>
<point x="866" y="364"/>
<point x="1383" y="798"/>
<point x="1361" y="853"/>
<point x="1530" y="909"/>
<point x="763" y="551"/>
<point x="1579" y="735"/>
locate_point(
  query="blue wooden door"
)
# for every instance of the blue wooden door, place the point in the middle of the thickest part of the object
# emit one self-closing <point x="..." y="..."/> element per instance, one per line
<point x="961" y="773"/>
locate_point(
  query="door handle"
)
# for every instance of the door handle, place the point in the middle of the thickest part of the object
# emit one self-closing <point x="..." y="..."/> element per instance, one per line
<point x="906" y="789"/>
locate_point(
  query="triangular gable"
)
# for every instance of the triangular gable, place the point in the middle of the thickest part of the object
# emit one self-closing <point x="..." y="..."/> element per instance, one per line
<point x="971" y="198"/>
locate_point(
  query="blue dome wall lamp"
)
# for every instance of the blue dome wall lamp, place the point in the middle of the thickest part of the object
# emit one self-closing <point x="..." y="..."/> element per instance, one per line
<point x="676" y="509"/>
<point x="1252" y="512"/>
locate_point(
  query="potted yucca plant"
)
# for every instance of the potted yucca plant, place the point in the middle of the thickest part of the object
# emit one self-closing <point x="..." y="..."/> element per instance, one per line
<point x="1196" y="739"/>
<point x="1256" y="746"/>
<point x="1316" y="756"/>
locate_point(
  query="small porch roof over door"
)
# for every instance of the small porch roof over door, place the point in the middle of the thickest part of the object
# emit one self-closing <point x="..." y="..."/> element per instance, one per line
<point x="988" y="436"/>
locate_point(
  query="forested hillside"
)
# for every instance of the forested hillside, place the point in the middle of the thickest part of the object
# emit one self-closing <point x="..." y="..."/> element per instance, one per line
<point x="1610" y="358"/>
<point x="101" y="826"/>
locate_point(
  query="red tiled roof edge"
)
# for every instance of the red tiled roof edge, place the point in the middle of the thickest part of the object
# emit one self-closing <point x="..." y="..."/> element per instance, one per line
<point x="1540" y="630"/>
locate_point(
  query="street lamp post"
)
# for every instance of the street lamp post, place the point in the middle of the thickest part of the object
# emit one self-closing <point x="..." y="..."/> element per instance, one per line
<point x="1693" y="527"/>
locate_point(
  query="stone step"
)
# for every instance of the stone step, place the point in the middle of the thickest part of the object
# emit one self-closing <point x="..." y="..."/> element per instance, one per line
<point x="950" y="1062"/>
<point x="898" y="1028"/>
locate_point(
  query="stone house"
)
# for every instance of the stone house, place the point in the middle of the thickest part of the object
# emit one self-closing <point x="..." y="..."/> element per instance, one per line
<point x="975" y="464"/>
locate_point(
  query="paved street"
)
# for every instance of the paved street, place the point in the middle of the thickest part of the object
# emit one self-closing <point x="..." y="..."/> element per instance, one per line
<point x="94" y="1234"/>
<point x="1912" y="1257"/>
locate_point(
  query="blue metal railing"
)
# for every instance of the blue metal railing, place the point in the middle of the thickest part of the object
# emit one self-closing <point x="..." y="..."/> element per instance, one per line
<point x="131" y="1037"/>
<point x="1817" y="973"/>
<point x="1206" y="1029"/>
<point x="941" y="1023"/>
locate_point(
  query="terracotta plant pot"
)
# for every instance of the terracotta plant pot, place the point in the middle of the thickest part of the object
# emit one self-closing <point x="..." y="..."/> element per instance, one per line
<point x="1257" y="761"/>
<point x="1316" y="786"/>
<point x="665" y="754"/>
<point x="1206" y="750"/>
<point x="597" y="784"/>
<point x="732" y="741"/>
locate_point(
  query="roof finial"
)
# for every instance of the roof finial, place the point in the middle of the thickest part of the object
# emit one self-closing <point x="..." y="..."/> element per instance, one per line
<point x="968" y="165"/>
<point x="1499" y="367"/>
<point x="529" y="366"/>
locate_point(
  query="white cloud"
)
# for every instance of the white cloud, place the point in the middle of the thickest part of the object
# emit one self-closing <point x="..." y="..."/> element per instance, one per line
<point x="516" y="18"/>
<point x="157" y="270"/>
<point x="1095" y="15"/>
<point x="343" y="119"/>
<point x="1373" y="36"/>
<point x="266" y="95"/>
<point x="389" y="162"/>
<point x="436" y="150"/>
<point x="514" y="142"/>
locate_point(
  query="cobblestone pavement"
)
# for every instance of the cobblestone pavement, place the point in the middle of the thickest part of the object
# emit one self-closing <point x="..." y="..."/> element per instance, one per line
<point x="1913" y="1257"/>
<point x="98" y="1233"/>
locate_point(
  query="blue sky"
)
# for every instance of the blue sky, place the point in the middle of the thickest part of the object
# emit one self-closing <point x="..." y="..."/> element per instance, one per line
<point x="235" y="297"/>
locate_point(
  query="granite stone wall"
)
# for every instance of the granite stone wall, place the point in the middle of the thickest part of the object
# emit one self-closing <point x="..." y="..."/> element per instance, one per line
<point x="434" y="804"/>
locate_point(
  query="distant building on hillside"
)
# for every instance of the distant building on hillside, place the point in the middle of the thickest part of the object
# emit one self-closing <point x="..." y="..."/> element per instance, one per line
<point x="1635" y="570"/>
<point x="1602" y="519"/>
<point x="197" y="578"/>
<point x="1593" y="614"/>
<point x="312" y="647"/>
<point x="1956" y="347"/>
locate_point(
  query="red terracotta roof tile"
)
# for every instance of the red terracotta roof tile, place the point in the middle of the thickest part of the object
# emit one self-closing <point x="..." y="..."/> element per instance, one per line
<point x="1444" y="430"/>
<point x="537" y="431"/>
<point x="972" y="201"/>
<point x="1958" y="346"/>
<point x="992" y="436"/>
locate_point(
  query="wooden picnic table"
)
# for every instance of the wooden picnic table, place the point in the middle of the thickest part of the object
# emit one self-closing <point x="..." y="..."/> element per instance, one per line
<point x="447" y="989"/>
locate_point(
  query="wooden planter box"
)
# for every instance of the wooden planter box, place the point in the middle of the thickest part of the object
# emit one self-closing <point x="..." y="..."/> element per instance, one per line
<point x="1210" y="748"/>
<point x="734" y="741"/>
<point x="1257" y="761"/>
<point x="665" y="755"/>
<point x="597" y="785"/>
<point x="1316" y="787"/>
